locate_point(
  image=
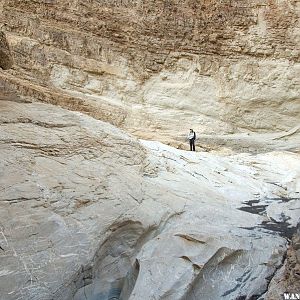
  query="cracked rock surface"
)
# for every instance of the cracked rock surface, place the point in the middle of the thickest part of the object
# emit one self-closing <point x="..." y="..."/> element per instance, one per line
<point x="89" y="212"/>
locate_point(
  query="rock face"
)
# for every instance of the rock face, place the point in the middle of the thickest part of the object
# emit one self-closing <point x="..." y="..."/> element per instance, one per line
<point x="157" y="68"/>
<point x="287" y="278"/>
<point x="89" y="212"/>
<point x="5" y="55"/>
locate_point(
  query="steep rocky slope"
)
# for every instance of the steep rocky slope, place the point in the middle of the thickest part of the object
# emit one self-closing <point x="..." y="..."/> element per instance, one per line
<point x="157" y="68"/>
<point x="89" y="212"/>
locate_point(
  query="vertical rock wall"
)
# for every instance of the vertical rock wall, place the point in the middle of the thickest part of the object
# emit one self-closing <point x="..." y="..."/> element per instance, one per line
<point x="164" y="66"/>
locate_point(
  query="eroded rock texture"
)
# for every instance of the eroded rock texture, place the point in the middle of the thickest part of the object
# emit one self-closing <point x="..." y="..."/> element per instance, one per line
<point x="158" y="68"/>
<point x="5" y="55"/>
<point x="288" y="277"/>
<point x="88" y="212"/>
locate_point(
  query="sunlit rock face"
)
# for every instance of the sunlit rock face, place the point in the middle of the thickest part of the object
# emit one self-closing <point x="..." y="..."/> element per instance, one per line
<point x="89" y="212"/>
<point x="158" y="68"/>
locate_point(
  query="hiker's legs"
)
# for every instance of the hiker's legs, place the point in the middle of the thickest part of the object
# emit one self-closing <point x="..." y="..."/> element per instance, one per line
<point x="192" y="145"/>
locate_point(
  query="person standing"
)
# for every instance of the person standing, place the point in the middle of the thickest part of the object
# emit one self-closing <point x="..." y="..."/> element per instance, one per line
<point x="192" y="138"/>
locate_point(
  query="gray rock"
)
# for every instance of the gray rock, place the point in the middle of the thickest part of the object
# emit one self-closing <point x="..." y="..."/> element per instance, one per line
<point x="89" y="212"/>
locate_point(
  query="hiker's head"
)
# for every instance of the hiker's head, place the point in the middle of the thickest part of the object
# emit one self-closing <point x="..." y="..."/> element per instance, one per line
<point x="191" y="130"/>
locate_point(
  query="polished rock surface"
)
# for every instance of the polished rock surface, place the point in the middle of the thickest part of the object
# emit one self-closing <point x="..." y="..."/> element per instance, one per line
<point x="89" y="212"/>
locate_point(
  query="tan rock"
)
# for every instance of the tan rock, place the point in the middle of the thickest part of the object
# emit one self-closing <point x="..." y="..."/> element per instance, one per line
<point x="5" y="55"/>
<point x="158" y="69"/>
<point x="87" y="211"/>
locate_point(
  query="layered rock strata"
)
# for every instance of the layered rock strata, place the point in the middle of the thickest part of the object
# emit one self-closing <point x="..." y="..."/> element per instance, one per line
<point x="87" y="211"/>
<point x="157" y="68"/>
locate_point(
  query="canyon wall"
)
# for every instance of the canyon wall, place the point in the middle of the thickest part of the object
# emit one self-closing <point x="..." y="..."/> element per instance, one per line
<point x="87" y="211"/>
<point x="157" y="68"/>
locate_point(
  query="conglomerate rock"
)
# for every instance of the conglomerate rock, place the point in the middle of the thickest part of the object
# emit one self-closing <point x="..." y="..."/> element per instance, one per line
<point x="158" y="68"/>
<point x="89" y="212"/>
